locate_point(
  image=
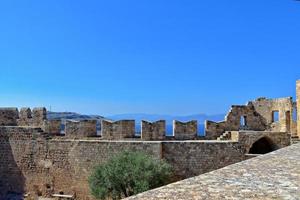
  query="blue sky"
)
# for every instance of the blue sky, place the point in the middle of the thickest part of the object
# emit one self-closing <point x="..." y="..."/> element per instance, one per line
<point x="159" y="56"/>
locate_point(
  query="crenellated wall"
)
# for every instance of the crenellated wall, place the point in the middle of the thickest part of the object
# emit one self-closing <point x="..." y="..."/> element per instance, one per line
<point x="117" y="130"/>
<point x="298" y="106"/>
<point x="185" y="130"/>
<point x="80" y="129"/>
<point x="153" y="130"/>
<point x="8" y="116"/>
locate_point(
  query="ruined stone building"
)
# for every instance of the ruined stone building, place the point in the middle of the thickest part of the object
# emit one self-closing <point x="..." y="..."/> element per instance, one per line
<point x="37" y="158"/>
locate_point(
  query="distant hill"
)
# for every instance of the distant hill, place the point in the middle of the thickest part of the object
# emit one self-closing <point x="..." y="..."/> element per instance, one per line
<point x="72" y="115"/>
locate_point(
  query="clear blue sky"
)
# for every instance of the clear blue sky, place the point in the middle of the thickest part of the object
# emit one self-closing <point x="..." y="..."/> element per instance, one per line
<point x="147" y="56"/>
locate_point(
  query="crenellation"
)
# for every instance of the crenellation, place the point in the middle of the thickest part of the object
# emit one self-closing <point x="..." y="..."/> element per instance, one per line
<point x="9" y="116"/>
<point x="25" y="117"/>
<point x="185" y="130"/>
<point x="80" y="129"/>
<point x="39" y="115"/>
<point x="53" y="127"/>
<point x="118" y="130"/>
<point x="153" y="130"/>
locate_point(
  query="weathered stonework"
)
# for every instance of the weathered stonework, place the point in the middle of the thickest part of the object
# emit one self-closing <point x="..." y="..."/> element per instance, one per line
<point x="256" y="115"/>
<point x="117" y="130"/>
<point x="25" y="117"/>
<point x="39" y="115"/>
<point x="153" y="130"/>
<point x="8" y="116"/>
<point x="53" y="127"/>
<point x="80" y="129"/>
<point x="298" y="106"/>
<point x="185" y="130"/>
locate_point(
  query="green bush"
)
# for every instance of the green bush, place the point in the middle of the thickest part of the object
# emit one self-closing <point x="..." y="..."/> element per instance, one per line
<point x="127" y="174"/>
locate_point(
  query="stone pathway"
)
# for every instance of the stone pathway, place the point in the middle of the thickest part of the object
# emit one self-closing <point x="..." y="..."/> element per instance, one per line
<point x="271" y="176"/>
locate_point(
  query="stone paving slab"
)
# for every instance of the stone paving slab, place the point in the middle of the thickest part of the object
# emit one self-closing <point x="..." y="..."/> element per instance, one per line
<point x="271" y="176"/>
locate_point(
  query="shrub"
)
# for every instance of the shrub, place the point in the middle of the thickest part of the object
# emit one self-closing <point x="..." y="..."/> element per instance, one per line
<point x="127" y="174"/>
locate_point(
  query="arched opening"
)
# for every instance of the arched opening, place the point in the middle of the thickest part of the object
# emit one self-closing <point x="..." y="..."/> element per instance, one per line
<point x="262" y="146"/>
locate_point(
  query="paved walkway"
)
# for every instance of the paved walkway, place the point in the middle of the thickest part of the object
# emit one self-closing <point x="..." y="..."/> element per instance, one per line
<point x="271" y="176"/>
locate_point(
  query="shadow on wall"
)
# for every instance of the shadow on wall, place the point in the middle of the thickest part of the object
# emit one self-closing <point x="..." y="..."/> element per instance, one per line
<point x="12" y="180"/>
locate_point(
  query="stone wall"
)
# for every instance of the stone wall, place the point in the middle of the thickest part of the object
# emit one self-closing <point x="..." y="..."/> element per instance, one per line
<point x="53" y="127"/>
<point x="185" y="130"/>
<point x="256" y="115"/>
<point x="80" y="129"/>
<point x="266" y="107"/>
<point x="252" y="121"/>
<point x="25" y="117"/>
<point x="45" y="166"/>
<point x="118" y="129"/>
<point x="298" y="107"/>
<point x="191" y="158"/>
<point x="8" y="116"/>
<point x="153" y="130"/>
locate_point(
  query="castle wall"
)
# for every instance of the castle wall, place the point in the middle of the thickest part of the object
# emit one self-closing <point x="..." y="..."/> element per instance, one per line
<point x="118" y="129"/>
<point x="53" y="127"/>
<point x="80" y="129"/>
<point x="185" y="130"/>
<point x="8" y="116"/>
<point x="47" y="166"/>
<point x="298" y="106"/>
<point x="153" y="130"/>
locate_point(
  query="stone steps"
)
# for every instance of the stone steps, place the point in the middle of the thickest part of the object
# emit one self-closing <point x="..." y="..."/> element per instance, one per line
<point x="225" y="136"/>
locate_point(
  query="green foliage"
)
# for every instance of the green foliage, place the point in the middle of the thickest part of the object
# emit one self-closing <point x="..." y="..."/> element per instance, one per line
<point x="127" y="174"/>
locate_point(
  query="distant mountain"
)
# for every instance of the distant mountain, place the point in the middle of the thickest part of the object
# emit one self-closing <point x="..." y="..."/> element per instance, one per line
<point x="169" y="119"/>
<point x="153" y="117"/>
<point x="72" y="115"/>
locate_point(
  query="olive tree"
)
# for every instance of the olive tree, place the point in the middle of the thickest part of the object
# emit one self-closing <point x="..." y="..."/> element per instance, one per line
<point x="128" y="173"/>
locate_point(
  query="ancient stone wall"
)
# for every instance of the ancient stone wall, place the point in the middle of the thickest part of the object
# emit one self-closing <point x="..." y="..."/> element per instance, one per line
<point x="298" y="106"/>
<point x="118" y="129"/>
<point x="25" y="117"/>
<point x="48" y="166"/>
<point x="39" y="115"/>
<point x="8" y="116"/>
<point x="284" y="107"/>
<point x="153" y="130"/>
<point x="185" y="130"/>
<point x="80" y="129"/>
<point x="53" y="127"/>
<point x="233" y="121"/>
<point x="257" y="115"/>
